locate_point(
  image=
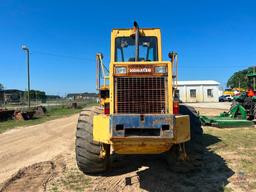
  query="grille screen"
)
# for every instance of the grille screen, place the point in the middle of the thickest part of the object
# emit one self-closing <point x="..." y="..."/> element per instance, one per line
<point x="140" y="94"/>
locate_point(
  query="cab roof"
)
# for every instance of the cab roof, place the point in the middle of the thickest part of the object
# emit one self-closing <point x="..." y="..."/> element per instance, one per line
<point x="116" y="29"/>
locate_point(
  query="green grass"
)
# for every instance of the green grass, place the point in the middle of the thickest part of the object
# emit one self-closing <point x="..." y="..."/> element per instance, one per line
<point x="52" y="113"/>
<point x="233" y="139"/>
<point x="238" y="147"/>
<point x="72" y="180"/>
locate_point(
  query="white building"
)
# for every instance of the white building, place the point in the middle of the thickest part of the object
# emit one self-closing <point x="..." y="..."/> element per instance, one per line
<point x="198" y="91"/>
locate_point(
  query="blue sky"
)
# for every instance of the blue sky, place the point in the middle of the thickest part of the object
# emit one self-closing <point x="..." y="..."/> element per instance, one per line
<point x="213" y="38"/>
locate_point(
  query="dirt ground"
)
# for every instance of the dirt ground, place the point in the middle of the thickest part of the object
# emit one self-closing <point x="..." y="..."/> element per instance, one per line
<point x="41" y="158"/>
<point x="210" y="109"/>
<point x="217" y="105"/>
<point x="25" y="146"/>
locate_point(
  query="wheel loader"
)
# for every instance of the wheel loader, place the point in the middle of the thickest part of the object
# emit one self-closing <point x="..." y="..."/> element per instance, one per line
<point x="138" y="112"/>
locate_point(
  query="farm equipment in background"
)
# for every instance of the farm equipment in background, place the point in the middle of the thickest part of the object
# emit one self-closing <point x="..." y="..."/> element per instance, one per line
<point x="137" y="112"/>
<point x="242" y="112"/>
<point x="235" y="117"/>
<point x="22" y="114"/>
<point x="6" y="114"/>
<point x="228" y="91"/>
<point x="233" y="91"/>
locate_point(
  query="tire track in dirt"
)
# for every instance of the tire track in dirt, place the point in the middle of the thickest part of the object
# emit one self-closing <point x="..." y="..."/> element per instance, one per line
<point x="34" y="177"/>
<point x="111" y="184"/>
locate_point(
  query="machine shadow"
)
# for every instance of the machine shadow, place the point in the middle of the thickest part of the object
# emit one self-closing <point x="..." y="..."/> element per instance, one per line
<point x="154" y="174"/>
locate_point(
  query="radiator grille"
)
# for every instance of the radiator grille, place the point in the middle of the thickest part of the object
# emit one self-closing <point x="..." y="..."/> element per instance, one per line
<point x="140" y="94"/>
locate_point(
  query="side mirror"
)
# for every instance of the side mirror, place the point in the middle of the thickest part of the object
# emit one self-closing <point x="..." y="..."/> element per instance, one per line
<point x="99" y="55"/>
<point x="172" y="54"/>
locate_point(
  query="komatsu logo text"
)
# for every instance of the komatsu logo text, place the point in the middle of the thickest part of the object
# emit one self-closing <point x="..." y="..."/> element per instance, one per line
<point x="140" y="70"/>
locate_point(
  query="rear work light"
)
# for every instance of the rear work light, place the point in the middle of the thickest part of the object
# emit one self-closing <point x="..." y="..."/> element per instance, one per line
<point x="160" y="69"/>
<point x="176" y="108"/>
<point x="121" y="70"/>
<point x="106" y="109"/>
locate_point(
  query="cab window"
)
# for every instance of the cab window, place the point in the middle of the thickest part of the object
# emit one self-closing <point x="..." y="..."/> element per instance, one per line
<point x="125" y="49"/>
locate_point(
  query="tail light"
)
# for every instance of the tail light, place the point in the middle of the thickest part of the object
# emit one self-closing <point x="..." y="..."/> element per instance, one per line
<point x="176" y="108"/>
<point x="106" y="109"/>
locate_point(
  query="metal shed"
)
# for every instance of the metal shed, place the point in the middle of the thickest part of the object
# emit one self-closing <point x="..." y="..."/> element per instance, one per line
<point x="198" y="91"/>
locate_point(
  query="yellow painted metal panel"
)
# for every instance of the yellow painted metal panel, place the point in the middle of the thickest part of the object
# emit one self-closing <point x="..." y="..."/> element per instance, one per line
<point x="111" y="72"/>
<point x="155" y="63"/>
<point x="101" y="129"/>
<point x="181" y="129"/>
<point x="141" y="145"/>
<point x="170" y="86"/>
<point x="159" y="45"/>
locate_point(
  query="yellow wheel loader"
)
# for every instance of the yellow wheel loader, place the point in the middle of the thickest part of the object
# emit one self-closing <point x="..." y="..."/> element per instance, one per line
<point x="138" y="112"/>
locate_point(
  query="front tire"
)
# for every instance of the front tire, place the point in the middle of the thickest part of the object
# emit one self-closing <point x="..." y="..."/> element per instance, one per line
<point x="88" y="151"/>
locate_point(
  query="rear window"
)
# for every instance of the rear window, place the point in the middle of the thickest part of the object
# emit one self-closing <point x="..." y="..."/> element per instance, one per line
<point x="125" y="49"/>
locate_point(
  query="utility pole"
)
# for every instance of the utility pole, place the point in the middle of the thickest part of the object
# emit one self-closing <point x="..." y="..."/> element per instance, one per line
<point x="25" y="48"/>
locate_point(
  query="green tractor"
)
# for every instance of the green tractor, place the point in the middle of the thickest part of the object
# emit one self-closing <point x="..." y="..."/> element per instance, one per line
<point x="248" y="99"/>
<point x="242" y="112"/>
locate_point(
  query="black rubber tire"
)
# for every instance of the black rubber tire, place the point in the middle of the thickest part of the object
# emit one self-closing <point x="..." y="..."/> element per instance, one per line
<point x="194" y="148"/>
<point x="88" y="151"/>
<point x="254" y="112"/>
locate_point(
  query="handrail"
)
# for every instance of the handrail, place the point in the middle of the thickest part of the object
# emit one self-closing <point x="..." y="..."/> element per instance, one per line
<point x="101" y="71"/>
<point x="174" y="60"/>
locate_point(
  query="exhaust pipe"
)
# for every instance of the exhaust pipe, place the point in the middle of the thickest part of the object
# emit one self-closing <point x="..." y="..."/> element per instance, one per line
<point x="137" y="34"/>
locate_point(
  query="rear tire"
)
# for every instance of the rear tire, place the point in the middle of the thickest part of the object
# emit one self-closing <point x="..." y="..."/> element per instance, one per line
<point x="254" y="112"/>
<point x="194" y="148"/>
<point x="88" y="151"/>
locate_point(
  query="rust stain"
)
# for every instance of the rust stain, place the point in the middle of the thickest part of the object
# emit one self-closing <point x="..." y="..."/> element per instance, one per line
<point x="162" y="120"/>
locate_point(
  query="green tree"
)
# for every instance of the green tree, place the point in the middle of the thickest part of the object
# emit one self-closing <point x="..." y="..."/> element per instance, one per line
<point x="239" y="78"/>
<point x="1" y="86"/>
<point x="35" y="94"/>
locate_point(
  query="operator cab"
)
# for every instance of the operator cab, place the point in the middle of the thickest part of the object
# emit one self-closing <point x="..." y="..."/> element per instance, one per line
<point x="125" y="46"/>
<point x="136" y="45"/>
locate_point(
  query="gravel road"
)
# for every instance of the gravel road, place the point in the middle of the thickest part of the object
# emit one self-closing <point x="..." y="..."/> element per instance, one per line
<point x="25" y="146"/>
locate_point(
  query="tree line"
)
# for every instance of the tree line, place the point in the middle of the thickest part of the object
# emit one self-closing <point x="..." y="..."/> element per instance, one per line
<point x="240" y="79"/>
<point x="1" y="86"/>
<point x="34" y="94"/>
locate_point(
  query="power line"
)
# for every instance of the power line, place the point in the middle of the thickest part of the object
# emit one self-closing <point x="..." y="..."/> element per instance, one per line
<point x="62" y="55"/>
<point x="180" y="67"/>
<point x="215" y="66"/>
